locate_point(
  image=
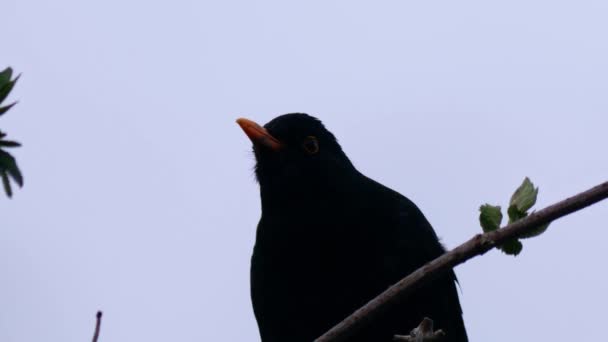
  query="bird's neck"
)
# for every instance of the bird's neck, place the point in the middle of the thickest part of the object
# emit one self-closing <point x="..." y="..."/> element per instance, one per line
<point x="308" y="195"/>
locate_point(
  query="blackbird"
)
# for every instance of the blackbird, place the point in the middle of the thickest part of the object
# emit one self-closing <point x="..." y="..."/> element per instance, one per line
<point x="330" y="239"/>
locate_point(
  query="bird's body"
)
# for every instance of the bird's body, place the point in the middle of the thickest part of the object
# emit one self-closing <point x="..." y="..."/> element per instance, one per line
<point x="330" y="239"/>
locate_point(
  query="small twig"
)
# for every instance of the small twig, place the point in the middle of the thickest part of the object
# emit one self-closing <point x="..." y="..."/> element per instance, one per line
<point x="422" y="333"/>
<point x="97" y="326"/>
<point x="478" y="245"/>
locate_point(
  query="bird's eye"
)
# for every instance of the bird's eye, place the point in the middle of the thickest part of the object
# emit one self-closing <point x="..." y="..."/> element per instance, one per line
<point x="310" y="145"/>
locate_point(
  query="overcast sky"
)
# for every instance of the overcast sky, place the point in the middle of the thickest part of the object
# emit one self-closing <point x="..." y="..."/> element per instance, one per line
<point x="139" y="194"/>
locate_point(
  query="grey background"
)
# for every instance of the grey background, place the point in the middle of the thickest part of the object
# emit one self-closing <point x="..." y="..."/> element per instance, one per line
<point x="140" y="198"/>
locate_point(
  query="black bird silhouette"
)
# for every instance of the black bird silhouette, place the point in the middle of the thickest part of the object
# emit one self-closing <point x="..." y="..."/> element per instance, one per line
<point x="330" y="239"/>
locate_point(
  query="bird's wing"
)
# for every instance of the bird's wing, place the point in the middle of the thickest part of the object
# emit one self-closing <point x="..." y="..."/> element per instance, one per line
<point x="405" y="238"/>
<point x="408" y="242"/>
<point x="415" y="245"/>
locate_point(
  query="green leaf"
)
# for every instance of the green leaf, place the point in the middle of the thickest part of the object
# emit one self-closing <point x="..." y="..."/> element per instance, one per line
<point x="8" y="165"/>
<point x="7" y="184"/>
<point x="515" y="214"/>
<point x="6" y="108"/>
<point x="511" y="247"/>
<point x="8" y="143"/>
<point x="490" y="217"/>
<point x="6" y="89"/>
<point x="5" y="76"/>
<point x="536" y="231"/>
<point x="524" y="197"/>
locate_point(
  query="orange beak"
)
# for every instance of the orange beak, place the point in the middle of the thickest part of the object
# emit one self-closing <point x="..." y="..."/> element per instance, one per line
<point x="259" y="135"/>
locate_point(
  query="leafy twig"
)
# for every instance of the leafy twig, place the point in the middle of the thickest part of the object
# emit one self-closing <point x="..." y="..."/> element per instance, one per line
<point x="478" y="245"/>
<point x="8" y="165"/>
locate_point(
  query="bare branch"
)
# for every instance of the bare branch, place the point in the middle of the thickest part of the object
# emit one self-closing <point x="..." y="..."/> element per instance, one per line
<point x="97" y="326"/>
<point x="478" y="245"/>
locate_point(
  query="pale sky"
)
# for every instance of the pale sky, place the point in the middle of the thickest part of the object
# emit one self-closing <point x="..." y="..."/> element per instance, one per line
<point x="139" y="194"/>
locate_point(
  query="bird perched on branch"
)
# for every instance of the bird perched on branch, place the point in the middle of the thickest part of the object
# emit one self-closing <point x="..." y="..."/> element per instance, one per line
<point x="330" y="239"/>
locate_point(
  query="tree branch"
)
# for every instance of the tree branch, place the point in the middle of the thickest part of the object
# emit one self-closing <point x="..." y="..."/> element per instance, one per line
<point x="97" y="326"/>
<point x="478" y="245"/>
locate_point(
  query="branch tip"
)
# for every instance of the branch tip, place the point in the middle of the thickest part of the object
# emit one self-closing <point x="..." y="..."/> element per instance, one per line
<point x="97" y="326"/>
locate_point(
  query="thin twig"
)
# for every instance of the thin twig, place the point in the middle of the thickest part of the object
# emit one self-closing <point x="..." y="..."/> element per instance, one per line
<point x="424" y="332"/>
<point x="478" y="245"/>
<point x="97" y="326"/>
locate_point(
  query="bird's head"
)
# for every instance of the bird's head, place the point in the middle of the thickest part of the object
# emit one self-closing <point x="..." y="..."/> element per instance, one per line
<point x="295" y="152"/>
